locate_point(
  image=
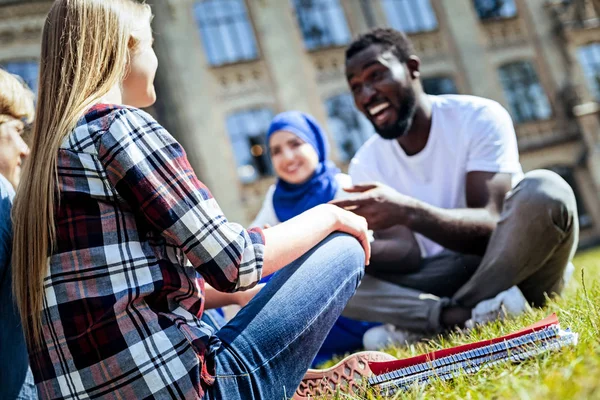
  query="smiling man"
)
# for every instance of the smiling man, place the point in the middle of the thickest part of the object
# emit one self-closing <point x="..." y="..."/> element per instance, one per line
<point x="491" y="239"/>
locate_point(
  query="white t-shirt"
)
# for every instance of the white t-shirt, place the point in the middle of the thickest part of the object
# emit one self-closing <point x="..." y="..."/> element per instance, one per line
<point x="267" y="215"/>
<point x="467" y="134"/>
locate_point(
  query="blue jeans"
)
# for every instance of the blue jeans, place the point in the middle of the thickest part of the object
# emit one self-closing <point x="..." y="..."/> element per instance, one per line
<point x="346" y="335"/>
<point x="268" y="346"/>
<point x="28" y="390"/>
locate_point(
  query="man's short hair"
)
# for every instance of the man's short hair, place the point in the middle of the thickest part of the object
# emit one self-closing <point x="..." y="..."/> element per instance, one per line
<point x="16" y="99"/>
<point x="391" y="39"/>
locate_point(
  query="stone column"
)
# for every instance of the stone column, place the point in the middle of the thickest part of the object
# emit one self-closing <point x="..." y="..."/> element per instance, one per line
<point x="377" y="16"/>
<point x="596" y="4"/>
<point x="589" y="197"/>
<point x="467" y="42"/>
<point x="290" y="66"/>
<point x="360" y="15"/>
<point x="187" y="105"/>
<point x="551" y="63"/>
<point x="588" y="117"/>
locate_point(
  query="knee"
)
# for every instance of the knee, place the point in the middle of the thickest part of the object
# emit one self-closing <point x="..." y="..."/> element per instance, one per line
<point x="545" y="193"/>
<point x="347" y="253"/>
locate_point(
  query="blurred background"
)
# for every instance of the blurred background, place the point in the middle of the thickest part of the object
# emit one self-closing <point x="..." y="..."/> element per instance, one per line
<point x="226" y="67"/>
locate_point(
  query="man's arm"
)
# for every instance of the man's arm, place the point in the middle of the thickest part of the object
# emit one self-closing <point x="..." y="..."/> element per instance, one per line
<point x="465" y="230"/>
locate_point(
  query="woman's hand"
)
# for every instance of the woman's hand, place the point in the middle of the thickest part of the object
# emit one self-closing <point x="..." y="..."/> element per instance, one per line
<point x="354" y="225"/>
<point x="382" y="206"/>
<point x="288" y="241"/>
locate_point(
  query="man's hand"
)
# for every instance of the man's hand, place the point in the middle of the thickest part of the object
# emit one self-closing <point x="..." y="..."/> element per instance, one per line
<point x="380" y="205"/>
<point x="466" y="230"/>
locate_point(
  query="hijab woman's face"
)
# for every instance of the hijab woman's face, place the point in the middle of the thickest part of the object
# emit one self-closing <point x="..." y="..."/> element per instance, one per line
<point x="294" y="160"/>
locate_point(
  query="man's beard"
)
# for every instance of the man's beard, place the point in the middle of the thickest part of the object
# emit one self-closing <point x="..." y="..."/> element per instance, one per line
<point x="404" y="121"/>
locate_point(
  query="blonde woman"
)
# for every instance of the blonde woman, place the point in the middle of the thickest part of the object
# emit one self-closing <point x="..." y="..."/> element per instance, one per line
<point x="16" y="109"/>
<point x="115" y="238"/>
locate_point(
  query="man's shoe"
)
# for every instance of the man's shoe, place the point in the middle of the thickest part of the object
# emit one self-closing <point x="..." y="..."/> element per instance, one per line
<point x="511" y="302"/>
<point x="569" y="269"/>
<point x="345" y="376"/>
<point x="388" y="335"/>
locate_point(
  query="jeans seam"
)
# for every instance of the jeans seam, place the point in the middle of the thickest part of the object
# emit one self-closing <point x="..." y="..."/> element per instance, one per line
<point x="246" y="374"/>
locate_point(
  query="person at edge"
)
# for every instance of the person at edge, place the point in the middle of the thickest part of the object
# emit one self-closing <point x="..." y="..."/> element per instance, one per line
<point x="115" y="238"/>
<point x="299" y="153"/>
<point x="492" y="240"/>
<point x="16" y="110"/>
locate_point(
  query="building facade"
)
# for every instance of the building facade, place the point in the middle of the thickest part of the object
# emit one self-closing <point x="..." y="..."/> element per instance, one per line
<point x="228" y="66"/>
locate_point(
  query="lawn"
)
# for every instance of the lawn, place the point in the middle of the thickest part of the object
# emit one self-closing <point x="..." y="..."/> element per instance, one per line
<point x="572" y="373"/>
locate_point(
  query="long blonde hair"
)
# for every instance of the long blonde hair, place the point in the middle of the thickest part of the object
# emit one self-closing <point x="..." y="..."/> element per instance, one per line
<point x="85" y="50"/>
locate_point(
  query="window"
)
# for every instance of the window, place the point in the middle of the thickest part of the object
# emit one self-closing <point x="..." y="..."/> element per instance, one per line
<point x="567" y="173"/>
<point x="526" y="97"/>
<point x="495" y="9"/>
<point x="439" y="85"/>
<point x="226" y="31"/>
<point x="247" y="131"/>
<point x="28" y="70"/>
<point x="349" y="127"/>
<point x="589" y="57"/>
<point x="410" y="16"/>
<point x="322" y="22"/>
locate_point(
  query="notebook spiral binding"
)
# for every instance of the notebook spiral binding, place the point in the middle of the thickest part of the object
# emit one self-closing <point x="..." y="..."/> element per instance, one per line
<point x="516" y="349"/>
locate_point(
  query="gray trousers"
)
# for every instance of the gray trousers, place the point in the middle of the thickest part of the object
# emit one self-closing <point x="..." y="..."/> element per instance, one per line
<point x="535" y="239"/>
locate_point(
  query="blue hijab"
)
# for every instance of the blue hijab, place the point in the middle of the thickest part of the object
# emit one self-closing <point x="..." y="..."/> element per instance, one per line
<point x="289" y="199"/>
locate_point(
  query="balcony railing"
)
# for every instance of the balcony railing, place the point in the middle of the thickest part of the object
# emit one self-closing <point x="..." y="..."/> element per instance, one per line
<point x="429" y="45"/>
<point x="504" y="32"/>
<point x="575" y="14"/>
<point x="241" y="79"/>
<point x="538" y="134"/>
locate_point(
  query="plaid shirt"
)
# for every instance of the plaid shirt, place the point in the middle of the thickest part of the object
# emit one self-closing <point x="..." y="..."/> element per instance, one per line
<point x="137" y="236"/>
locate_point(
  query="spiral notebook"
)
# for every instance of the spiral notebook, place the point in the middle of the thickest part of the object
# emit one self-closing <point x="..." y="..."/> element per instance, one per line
<point x="541" y="337"/>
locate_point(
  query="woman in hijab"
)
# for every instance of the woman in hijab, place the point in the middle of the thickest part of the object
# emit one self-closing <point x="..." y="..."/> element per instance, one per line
<point x="298" y="148"/>
<point x="306" y="178"/>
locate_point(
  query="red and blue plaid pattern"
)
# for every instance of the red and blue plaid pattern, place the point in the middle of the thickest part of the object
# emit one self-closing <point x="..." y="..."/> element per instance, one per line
<point x="137" y="236"/>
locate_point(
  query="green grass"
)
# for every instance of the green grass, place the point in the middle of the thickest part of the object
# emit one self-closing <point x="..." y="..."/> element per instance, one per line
<point x="572" y="373"/>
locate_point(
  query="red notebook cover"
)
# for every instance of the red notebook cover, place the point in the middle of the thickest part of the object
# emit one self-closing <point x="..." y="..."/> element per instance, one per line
<point x="379" y="368"/>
